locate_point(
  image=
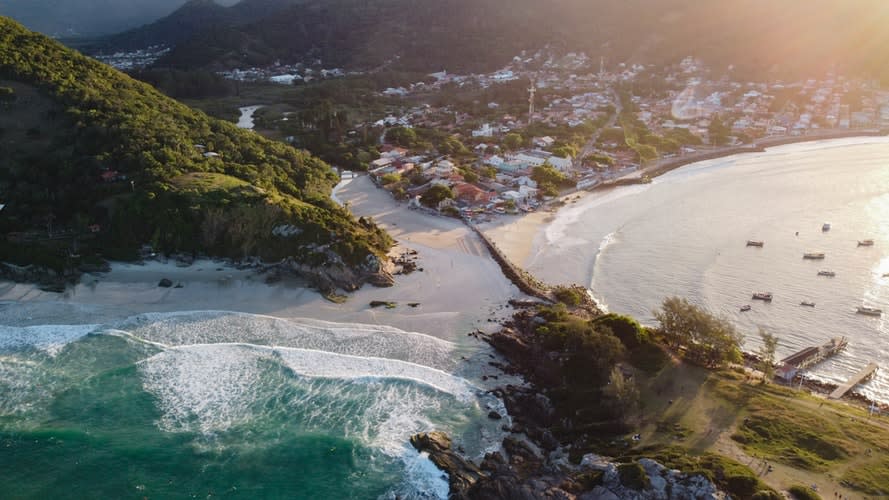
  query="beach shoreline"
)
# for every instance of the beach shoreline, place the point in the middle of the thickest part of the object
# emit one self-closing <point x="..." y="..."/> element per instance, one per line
<point x="520" y="237"/>
<point x="459" y="289"/>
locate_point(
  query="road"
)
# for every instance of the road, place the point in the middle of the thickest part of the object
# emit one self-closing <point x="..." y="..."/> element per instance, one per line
<point x="590" y="145"/>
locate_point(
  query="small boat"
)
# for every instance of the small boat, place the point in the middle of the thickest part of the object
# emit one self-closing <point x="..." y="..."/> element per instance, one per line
<point x="825" y="226"/>
<point x="813" y="255"/>
<point x="870" y="311"/>
<point x="830" y="274"/>
<point x="745" y="308"/>
<point x="865" y="243"/>
<point x="754" y="243"/>
<point x="807" y="303"/>
<point x="766" y="296"/>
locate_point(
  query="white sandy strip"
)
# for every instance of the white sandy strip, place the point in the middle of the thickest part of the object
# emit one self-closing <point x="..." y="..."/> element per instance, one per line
<point x="458" y="290"/>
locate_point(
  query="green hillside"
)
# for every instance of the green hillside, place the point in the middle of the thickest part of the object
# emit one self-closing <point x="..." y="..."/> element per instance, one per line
<point x="95" y="162"/>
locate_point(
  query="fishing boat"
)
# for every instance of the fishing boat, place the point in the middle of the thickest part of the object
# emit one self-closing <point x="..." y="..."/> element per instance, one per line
<point x="825" y="226"/>
<point x="869" y="311"/>
<point x="813" y="255"/>
<point x="745" y="308"/>
<point x="807" y="303"/>
<point x="830" y="274"/>
<point x="766" y="296"/>
<point x="865" y="243"/>
<point x="754" y="243"/>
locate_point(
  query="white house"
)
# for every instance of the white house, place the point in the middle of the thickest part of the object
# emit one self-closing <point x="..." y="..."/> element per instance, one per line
<point x="484" y="131"/>
<point x="494" y="161"/>
<point x="526" y="181"/>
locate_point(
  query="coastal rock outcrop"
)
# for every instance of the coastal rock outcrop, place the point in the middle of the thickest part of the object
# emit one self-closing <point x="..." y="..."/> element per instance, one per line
<point x="662" y="483"/>
<point x="462" y="473"/>
<point x="334" y="274"/>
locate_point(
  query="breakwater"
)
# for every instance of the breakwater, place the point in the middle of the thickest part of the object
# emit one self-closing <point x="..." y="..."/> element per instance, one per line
<point x="520" y="278"/>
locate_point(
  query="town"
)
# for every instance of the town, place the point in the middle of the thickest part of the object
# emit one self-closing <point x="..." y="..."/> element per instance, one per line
<point x="571" y="123"/>
<point x="547" y="124"/>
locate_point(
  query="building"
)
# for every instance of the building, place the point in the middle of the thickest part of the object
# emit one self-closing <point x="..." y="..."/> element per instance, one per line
<point x="484" y="131"/>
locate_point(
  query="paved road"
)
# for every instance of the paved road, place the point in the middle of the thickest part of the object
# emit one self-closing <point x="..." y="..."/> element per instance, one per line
<point x="590" y="145"/>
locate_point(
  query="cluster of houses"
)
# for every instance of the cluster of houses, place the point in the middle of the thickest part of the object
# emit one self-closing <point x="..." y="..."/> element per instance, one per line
<point x="751" y="108"/>
<point x="511" y="189"/>
<point x="284" y="74"/>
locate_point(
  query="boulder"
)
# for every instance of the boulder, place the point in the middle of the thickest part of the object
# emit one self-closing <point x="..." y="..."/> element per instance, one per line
<point x="165" y="283"/>
<point x="462" y="473"/>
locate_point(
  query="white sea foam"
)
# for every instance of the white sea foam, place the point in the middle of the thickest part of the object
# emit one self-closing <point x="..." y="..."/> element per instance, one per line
<point x="423" y="479"/>
<point x="210" y="327"/>
<point x="212" y="387"/>
<point x="50" y="339"/>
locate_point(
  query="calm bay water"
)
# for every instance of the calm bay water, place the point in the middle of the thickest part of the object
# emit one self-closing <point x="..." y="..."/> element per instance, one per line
<point x="685" y="234"/>
<point x="209" y="404"/>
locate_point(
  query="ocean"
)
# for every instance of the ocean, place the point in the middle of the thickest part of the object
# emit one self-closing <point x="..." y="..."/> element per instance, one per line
<point x="685" y="234"/>
<point x="223" y="404"/>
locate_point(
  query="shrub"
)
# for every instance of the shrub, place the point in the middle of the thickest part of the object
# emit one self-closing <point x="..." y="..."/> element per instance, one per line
<point x="633" y="476"/>
<point x="803" y="493"/>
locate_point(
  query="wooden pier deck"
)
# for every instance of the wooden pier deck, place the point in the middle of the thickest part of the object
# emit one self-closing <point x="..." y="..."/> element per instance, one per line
<point x="859" y="377"/>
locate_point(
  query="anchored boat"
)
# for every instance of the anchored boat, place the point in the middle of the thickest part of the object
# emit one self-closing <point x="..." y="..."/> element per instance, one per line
<point x="869" y="311"/>
<point x="766" y="296"/>
<point x="754" y="243"/>
<point x="825" y="226"/>
<point x="813" y="255"/>
<point x="830" y="274"/>
<point x="745" y="308"/>
<point x="807" y="303"/>
<point x="865" y="243"/>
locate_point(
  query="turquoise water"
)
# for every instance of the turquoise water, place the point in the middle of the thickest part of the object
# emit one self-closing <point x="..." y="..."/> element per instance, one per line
<point x="211" y="404"/>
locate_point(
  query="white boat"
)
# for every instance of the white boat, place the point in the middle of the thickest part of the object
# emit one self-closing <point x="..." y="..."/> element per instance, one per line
<point x="870" y="311"/>
<point x="745" y="307"/>
<point x="813" y="255"/>
<point x="825" y="226"/>
<point x="766" y="296"/>
<point x="830" y="274"/>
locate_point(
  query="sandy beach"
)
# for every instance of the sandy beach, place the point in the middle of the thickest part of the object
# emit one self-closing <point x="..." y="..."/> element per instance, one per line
<point x="459" y="289"/>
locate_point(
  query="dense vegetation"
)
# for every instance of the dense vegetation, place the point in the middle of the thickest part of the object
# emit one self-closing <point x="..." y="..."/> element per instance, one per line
<point x="757" y="38"/>
<point x="95" y="160"/>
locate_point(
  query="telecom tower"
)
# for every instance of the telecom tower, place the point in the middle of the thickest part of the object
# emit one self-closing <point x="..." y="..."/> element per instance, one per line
<point x="531" y="91"/>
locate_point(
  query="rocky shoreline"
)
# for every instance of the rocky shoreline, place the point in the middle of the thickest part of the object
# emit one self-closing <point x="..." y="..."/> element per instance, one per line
<point x="327" y="278"/>
<point x="533" y="463"/>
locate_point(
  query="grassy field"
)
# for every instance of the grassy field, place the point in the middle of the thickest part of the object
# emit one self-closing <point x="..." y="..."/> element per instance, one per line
<point x="788" y="438"/>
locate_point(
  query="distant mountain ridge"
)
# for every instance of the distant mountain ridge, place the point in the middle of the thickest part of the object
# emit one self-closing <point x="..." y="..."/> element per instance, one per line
<point x="760" y="37"/>
<point x="87" y="17"/>
<point x="192" y="18"/>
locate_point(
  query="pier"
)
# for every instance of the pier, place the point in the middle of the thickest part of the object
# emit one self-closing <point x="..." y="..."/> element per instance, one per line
<point x="858" y="378"/>
<point x="790" y="366"/>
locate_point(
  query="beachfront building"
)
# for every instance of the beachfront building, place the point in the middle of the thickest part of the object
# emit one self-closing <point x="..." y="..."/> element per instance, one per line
<point x="536" y="158"/>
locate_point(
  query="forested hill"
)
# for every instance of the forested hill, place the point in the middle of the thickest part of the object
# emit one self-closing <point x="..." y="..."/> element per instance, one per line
<point x="95" y="160"/>
<point x="758" y="37"/>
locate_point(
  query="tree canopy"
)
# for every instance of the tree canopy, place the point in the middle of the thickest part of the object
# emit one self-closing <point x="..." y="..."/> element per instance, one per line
<point x="113" y="153"/>
<point x="706" y="338"/>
